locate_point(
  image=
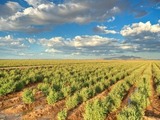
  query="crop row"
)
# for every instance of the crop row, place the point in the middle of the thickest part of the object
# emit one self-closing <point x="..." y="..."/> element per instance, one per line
<point x="77" y="74"/>
<point x="156" y="76"/>
<point x="78" y="91"/>
<point x="139" y="100"/>
<point x="100" y="109"/>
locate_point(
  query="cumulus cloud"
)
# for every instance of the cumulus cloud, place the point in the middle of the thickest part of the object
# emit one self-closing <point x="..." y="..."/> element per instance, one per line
<point x="10" y="42"/>
<point x="83" y="45"/>
<point x="36" y="3"/>
<point x="42" y="14"/>
<point x="111" y="19"/>
<point x="103" y="29"/>
<point x="77" y="41"/>
<point x="140" y="28"/>
<point x="144" y="35"/>
<point x="10" y="45"/>
<point x="52" y="50"/>
<point x="31" y="40"/>
<point x="9" y="9"/>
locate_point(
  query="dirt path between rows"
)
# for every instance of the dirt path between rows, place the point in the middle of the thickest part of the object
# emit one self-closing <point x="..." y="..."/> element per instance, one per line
<point x="153" y="111"/>
<point x="125" y="100"/>
<point x="45" y="110"/>
<point x="113" y="115"/>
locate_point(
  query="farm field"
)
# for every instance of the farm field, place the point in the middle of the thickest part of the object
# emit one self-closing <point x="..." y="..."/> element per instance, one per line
<point x="79" y="90"/>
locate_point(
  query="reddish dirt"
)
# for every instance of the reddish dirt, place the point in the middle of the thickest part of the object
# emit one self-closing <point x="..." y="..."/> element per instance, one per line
<point x="16" y="94"/>
<point x="24" y="107"/>
<point x="13" y="99"/>
<point x="13" y="108"/>
<point x="9" y="103"/>
<point x="113" y="115"/>
<point x="46" y="110"/>
<point x="9" y="96"/>
<point x="153" y="111"/>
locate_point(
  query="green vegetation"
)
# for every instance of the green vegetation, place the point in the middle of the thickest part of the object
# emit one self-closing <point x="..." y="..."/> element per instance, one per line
<point x="95" y="111"/>
<point x="28" y="96"/>
<point x="62" y="115"/>
<point x="80" y="82"/>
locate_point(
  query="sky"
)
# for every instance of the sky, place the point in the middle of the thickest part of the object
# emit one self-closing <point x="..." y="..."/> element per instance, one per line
<point x="79" y="29"/>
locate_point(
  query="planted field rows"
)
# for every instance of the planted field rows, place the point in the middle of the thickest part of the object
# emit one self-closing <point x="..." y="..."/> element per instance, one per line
<point x="80" y="90"/>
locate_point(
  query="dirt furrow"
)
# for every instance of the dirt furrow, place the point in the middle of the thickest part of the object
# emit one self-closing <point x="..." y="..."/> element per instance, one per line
<point x="15" y="105"/>
<point x="125" y="100"/>
<point x="45" y="110"/>
<point x="153" y="111"/>
<point x="16" y="94"/>
<point x="23" y="108"/>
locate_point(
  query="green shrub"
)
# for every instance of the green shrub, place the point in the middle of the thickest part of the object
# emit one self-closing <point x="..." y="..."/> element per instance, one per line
<point x="19" y="85"/>
<point x="95" y="111"/>
<point x="62" y="115"/>
<point x="130" y="113"/>
<point x="52" y="97"/>
<point x="97" y="89"/>
<point x="86" y="93"/>
<point x="73" y="101"/>
<point x="158" y="89"/>
<point x="27" y="96"/>
<point x="44" y="87"/>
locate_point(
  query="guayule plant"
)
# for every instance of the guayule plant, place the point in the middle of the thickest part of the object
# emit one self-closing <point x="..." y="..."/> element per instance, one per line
<point x="62" y="115"/>
<point x="73" y="101"/>
<point x="52" y="97"/>
<point x="27" y="96"/>
<point x="94" y="111"/>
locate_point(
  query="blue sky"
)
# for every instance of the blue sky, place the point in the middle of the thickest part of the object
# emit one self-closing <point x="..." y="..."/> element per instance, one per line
<point x="79" y="29"/>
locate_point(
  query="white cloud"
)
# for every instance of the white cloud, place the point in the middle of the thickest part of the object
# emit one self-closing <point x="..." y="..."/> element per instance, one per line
<point x="82" y="41"/>
<point x="139" y="28"/>
<point x="145" y="36"/>
<point x="10" y="42"/>
<point x="111" y="19"/>
<point x="103" y="29"/>
<point x="31" y="40"/>
<point x="52" y="50"/>
<point x="41" y="17"/>
<point x="9" y="9"/>
<point x="77" y="41"/>
<point x="52" y="42"/>
<point x="36" y="3"/>
<point x="11" y="46"/>
<point x="82" y="45"/>
<point x="22" y="54"/>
